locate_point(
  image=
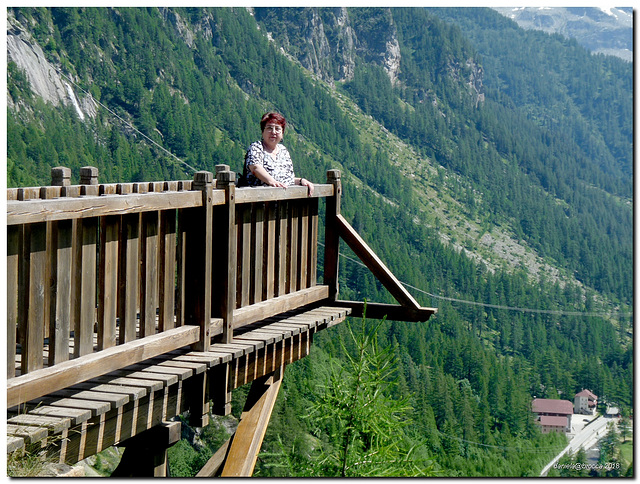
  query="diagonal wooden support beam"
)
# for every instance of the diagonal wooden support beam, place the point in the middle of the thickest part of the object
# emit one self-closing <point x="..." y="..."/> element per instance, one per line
<point x="245" y="444"/>
<point x="375" y="265"/>
<point x="212" y="467"/>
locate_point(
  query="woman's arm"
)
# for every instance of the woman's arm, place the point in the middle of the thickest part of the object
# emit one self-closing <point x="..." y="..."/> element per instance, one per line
<point x="262" y="174"/>
<point x="305" y="183"/>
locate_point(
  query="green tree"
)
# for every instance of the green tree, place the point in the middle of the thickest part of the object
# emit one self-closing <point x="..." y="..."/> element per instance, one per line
<point x="366" y="422"/>
<point x="609" y="448"/>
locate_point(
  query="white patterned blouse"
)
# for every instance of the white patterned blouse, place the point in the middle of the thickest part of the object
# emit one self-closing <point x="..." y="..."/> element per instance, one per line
<point x="278" y="165"/>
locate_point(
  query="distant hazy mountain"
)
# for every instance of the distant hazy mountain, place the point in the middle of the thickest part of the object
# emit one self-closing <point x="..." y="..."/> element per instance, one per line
<point x="604" y="30"/>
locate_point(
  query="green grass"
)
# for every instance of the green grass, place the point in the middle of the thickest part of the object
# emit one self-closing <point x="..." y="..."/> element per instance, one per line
<point x="626" y="451"/>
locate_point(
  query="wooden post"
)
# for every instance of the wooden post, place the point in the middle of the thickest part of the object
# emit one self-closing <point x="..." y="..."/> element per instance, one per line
<point x="199" y="262"/>
<point x="246" y="442"/>
<point x="128" y="271"/>
<point x="145" y="454"/>
<point x="61" y="266"/>
<point x="89" y="181"/>
<point x="60" y="176"/>
<point x="226" y="251"/>
<point x="88" y="175"/>
<point x="332" y="238"/>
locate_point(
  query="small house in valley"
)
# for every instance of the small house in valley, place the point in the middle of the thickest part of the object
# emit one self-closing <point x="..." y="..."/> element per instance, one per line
<point x="552" y="415"/>
<point x="585" y="403"/>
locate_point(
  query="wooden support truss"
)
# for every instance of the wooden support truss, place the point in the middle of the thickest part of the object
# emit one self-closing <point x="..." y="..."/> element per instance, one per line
<point x="237" y="457"/>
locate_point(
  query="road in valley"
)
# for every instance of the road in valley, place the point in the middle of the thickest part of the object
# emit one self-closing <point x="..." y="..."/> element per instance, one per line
<point x="586" y="438"/>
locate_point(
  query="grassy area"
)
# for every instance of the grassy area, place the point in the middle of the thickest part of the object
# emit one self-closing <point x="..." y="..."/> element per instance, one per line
<point x="626" y="452"/>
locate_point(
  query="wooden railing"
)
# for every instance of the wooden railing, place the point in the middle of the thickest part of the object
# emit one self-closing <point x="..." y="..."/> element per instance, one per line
<point x="104" y="276"/>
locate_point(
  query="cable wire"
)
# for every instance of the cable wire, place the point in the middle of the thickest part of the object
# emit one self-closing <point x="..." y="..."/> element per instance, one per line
<point x="444" y="298"/>
<point x="126" y="122"/>
<point x="557" y="312"/>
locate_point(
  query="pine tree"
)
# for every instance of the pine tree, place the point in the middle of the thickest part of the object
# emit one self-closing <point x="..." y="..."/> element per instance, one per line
<point x="366" y="421"/>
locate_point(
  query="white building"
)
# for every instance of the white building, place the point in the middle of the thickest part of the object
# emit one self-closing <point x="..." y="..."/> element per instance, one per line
<point x="585" y="403"/>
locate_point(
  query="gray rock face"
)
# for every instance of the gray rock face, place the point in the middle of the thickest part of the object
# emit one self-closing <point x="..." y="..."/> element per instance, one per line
<point x="44" y="80"/>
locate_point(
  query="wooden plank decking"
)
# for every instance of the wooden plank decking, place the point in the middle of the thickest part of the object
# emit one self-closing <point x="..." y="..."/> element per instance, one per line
<point x="84" y="419"/>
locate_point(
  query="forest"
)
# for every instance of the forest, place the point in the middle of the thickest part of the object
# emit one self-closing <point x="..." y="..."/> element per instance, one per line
<point x="544" y="154"/>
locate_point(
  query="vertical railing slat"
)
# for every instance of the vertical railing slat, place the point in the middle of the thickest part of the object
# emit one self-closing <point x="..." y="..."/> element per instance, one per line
<point x="85" y="304"/>
<point x="294" y="249"/>
<point x="61" y="298"/>
<point x="167" y="269"/>
<point x="303" y="265"/>
<point x="108" y="281"/>
<point x="257" y="249"/>
<point x="243" y="221"/>
<point x="269" y="250"/>
<point x="33" y="339"/>
<point x="180" y="269"/>
<point x="281" y="266"/>
<point x="128" y="272"/>
<point x="149" y="274"/>
<point x="313" y="242"/>
<point x="14" y="244"/>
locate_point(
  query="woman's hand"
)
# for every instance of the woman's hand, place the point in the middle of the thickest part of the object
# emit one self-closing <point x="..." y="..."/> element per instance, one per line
<point x="274" y="183"/>
<point x="263" y="175"/>
<point x="306" y="183"/>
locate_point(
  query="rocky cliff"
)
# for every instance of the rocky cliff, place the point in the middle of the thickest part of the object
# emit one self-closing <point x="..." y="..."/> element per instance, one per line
<point x="45" y="80"/>
<point x="327" y="41"/>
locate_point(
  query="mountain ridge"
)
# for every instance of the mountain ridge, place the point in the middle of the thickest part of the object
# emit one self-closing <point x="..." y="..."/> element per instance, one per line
<point x="606" y="31"/>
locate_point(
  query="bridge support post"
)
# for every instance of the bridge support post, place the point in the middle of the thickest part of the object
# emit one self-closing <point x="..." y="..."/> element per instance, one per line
<point x="145" y="455"/>
<point x="332" y="237"/>
<point x="199" y="262"/>
<point x="226" y="250"/>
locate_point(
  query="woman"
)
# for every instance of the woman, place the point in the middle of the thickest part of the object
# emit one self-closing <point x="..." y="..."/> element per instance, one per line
<point x="267" y="162"/>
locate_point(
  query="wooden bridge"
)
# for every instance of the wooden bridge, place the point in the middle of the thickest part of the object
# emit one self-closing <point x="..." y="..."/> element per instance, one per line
<point x="129" y="304"/>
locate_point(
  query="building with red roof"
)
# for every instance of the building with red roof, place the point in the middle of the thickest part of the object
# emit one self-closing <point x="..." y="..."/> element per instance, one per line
<point x="585" y="402"/>
<point x="552" y="415"/>
<point x="552" y="424"/>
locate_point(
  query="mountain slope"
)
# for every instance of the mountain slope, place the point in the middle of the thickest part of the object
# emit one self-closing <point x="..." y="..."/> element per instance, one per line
<point x="555" y="156"/>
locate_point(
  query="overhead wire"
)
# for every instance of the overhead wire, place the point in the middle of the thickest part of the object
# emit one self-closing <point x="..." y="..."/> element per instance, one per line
<point x="557" y="312"/>
<point x="126" y="122"/>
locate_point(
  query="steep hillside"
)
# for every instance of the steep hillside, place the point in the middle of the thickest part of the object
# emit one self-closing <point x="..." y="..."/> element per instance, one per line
<point x="478" y="162"/>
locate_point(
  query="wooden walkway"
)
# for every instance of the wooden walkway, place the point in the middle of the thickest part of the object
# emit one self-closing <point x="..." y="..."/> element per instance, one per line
<point x="82" y="420"/>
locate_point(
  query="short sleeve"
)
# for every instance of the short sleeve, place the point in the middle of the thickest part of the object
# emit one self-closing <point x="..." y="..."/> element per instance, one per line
<point x="255" y="154"/>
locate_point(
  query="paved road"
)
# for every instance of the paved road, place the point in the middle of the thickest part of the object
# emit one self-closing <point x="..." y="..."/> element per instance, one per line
<point x="586" y="439"/>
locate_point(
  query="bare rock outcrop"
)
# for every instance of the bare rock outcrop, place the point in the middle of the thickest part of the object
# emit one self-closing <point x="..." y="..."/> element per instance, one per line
<point x="43" y="78"/>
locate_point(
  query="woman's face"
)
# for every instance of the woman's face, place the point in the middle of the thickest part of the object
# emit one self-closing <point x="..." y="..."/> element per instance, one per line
<point x="272" y="134"/>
